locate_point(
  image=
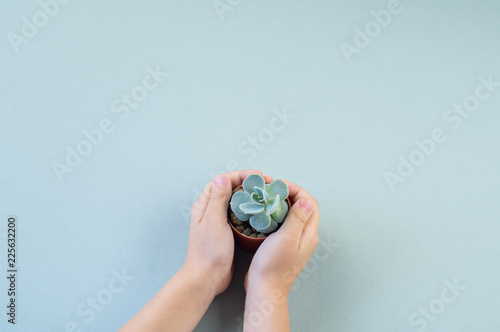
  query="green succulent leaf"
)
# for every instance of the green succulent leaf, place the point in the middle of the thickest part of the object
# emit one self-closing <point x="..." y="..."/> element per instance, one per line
<point x="280" y="214"/>
<point x="252" y="208"/>
<point x="278" y="187"/>
<point x="263" y="196"/>
<point x="260" y="221"/>
<point x="252" y="181"/>
<point x="255" y="197"/>
<point x="272" y="205"/>
<point x="239" y="197"/>
<point x="243" y="216"/>
<point x="263" y="204"/>
<point x="272" y="227"/>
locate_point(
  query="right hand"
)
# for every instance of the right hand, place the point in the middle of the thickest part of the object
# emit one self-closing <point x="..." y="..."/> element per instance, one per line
<point x="284" y="254"/>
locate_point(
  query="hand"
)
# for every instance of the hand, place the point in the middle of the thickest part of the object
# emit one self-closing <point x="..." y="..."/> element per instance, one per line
<point x="211" y="242"/>
<point x="284" y="254"/>
<point x="208" y="268"/>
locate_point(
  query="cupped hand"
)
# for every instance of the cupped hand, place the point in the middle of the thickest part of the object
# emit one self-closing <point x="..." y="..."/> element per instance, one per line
<point x="211" y="242"/>
<point x="284" y="254"/>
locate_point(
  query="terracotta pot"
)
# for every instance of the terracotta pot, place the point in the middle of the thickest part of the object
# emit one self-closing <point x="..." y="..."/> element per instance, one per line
<point x="246" y="243"/>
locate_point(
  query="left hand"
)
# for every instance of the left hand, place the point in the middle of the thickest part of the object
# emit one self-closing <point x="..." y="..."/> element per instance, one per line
<point x="211" y="242"/>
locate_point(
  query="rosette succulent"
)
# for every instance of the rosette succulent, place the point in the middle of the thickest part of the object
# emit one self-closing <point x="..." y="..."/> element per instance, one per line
<point x="264" y="205"/>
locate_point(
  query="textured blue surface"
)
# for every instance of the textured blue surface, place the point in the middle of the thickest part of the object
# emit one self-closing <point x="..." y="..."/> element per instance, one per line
<point x="113" y="225"/>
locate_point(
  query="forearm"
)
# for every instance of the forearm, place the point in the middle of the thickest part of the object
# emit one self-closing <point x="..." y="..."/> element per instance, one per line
<point x="178" y="306"/>
<point x="266" y="309"/>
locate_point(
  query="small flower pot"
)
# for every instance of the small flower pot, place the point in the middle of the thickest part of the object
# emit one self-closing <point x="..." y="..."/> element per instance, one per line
<point x="247" y="243"/>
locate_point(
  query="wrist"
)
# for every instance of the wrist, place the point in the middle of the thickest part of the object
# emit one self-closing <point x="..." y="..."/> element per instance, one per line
<point x="273" y="292"/>
<point x="266" y="285"/>
<point x="266" y="308"/>
<point x="200" y="280"/>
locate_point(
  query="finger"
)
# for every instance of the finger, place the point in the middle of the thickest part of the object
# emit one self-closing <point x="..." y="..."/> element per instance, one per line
<point x="297" y="218"/>
<point x="200" y="206"/>
<point x="268" y="178"/>
<point x="295" y="192"/>
<point x="310" y="232"/>
<point x="310" y="236"/>
<point x="219" y="198"/>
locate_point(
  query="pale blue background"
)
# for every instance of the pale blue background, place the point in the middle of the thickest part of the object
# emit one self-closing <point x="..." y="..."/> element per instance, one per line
<point x="124" y="206"/>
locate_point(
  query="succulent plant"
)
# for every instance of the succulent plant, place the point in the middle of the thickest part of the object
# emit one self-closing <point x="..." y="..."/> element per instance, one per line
<point x="263" y="204"/>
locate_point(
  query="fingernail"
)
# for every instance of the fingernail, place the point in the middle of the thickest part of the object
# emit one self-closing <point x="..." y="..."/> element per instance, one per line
<point x="307" y="205"/>
<point x="220" y="180"/>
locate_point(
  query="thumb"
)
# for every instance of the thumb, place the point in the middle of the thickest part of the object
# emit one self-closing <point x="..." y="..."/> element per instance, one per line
<point x="297" y="218"/>
<point x="219" y="197"/>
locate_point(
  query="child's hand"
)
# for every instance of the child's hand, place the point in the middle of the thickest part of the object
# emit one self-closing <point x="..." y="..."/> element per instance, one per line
<point x="284" y="254"/>
<point x="208" y="269"/>
<point x="211" y="242"/>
